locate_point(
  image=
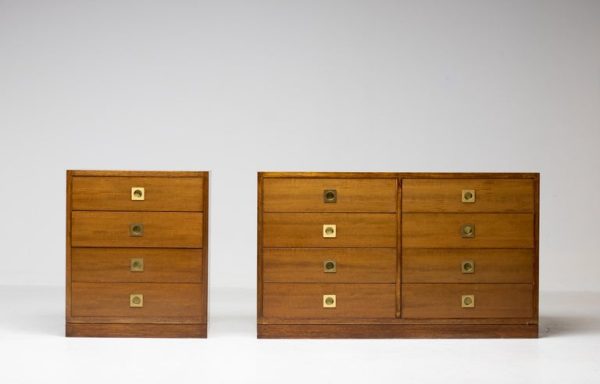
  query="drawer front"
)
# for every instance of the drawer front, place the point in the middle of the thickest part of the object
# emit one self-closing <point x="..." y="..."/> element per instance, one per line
<point x="329" y="195"/>
<point x="306" y="301"/>
<point x="114" y="300"/>
<point x="445" y="301"/>
<point x="118" y="229"/>
<point x="467" y="195"/>
<point x="333" y="265"/>
<point x="90" y="193"/>
<point x="467" y="266"/>
<point x="127" y="265"/>
<point x="351" y="230"/>
<point x="433" y="230"/>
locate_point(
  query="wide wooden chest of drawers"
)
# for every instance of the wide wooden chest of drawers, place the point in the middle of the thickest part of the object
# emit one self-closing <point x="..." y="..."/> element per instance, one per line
<point x="137" y="254"/>
<point x="398" y="254"/>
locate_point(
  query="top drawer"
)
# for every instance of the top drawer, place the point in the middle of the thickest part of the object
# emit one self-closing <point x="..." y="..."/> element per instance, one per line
<point x="467" y="195"/>
<point x="329" y="195"/>
<point x="112" y="193"/>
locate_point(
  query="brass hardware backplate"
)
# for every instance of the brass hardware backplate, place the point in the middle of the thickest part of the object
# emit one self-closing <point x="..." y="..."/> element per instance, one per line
<point x="329" y="231"/>
<point x="136" y="265"/>
<point x="467" y="230"/>
<point x="329" y="266"/>
<point x="467" y="301"/>
<point x="136" y="230"/>
<point x="467" y="266"/>
<point x="136" y="300"/>
<point x="329" y="301"/>
<point x="468" y="195"/>
<point x="138" y="193"/>
<point x="330" y="196"/>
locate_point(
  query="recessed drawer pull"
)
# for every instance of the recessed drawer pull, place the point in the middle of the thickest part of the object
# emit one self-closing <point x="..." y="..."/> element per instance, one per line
<point x="136" y="230"/>
<point x="329" y="266"/>
<point x="136" y="300"/>
<point x="467" y="231"/>
<point x="329" y="301"/>
<point x="468" y="301"/>
<point x="329" y="231"/>
<point x="138" y="193"/>
<point x="330" y="196"/>
<point x="467" y="266"/>
<point x="136" y="265"/>
<point x="468" y="195"/>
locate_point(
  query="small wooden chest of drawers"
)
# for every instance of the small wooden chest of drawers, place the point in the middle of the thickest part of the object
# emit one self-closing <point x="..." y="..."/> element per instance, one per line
<point x="398" y="255"/>
<point x="137" y="254"/>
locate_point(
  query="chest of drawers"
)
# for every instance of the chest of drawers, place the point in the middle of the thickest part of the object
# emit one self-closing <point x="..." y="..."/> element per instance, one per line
<point x="397" y="255"/>
<point x="137" y="254"/>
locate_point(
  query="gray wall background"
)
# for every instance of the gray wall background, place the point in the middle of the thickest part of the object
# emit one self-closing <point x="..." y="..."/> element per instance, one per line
<point x="241" y="86"/>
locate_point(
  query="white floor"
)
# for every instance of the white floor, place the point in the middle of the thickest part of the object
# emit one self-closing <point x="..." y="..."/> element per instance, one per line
<point x="34" y="350"/>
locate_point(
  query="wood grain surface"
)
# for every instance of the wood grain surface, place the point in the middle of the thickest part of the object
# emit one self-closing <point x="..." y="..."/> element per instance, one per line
<point x="297" y="301"/>
<point x="490" y="265"/>
<point x="440" y="230"/>
<point x="306" y="230"/>
<point x="161" y="229"/>
<point x="445" y="195"/>
<point x="306" y="195"/>
<point x="353" y="265"/>
<point x="444" y="300"/>
<point x="113" y="265"/>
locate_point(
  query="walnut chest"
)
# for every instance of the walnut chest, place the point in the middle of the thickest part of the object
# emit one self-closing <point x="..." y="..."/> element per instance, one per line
<point x="398" y="254"/>
<point x="137" y="254"/>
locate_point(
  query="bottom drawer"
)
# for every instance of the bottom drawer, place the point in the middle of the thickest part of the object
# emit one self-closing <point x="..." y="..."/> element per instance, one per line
<point x="328" y="301"/>
<point x="137" y="300"/>
<point x="448" y="301"/>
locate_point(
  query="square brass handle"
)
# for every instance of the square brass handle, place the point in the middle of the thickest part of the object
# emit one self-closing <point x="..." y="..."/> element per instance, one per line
<point x="468" y="195"/>
<point x="136" y="230"/>
<point x="329" y="301"/>
<point x="330" y="196"/>
<point x="467" y="301"/>
<point x="136" y="300"/>
<point x="329" y="266"/>
<point x="138" y="193"/>
<point x="467" y="266"/>
<point x="136" y="265"/>
<point x="329" y="231"/>
<point x="467" y="231"/>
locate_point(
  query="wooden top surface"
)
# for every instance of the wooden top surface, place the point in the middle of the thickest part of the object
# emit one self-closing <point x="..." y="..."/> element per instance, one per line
<point x="440" y="175"/>
<point x="138" y="173"/>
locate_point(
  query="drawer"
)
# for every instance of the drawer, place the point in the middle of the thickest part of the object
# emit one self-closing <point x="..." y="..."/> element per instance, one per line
<point x="467" y="195"/>
<point x="307" y="301"/>
<point x="448" y="230"/>
<point x="114" y="300"/>
<point x="329" y="265"/>
<point x="128" y="265"/>
<point x="467" y="265"/>
<point x="445" y="301"/>
<point x="349" y="230"/>
<point x="329" y="195"/>
<point x="117" y="229"/>
<point x="92" y="193"/>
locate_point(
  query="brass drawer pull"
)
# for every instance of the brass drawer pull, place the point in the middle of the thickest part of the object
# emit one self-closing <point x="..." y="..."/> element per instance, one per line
<point x="467" y="230"/>
<point x="467" y="266"/>
<point x="467" y="301"/>
<point x="329" y="301"/>
<point x="468" y="195"/>
<point x="136" y="230"/>
<point x="136" y="265"/>
<point x="136" y="300"/>
<point x="329" y="231"/>
<point x="330" y="196"/>
<point x="138" y="193"/>
<point x="329" y="266"/>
